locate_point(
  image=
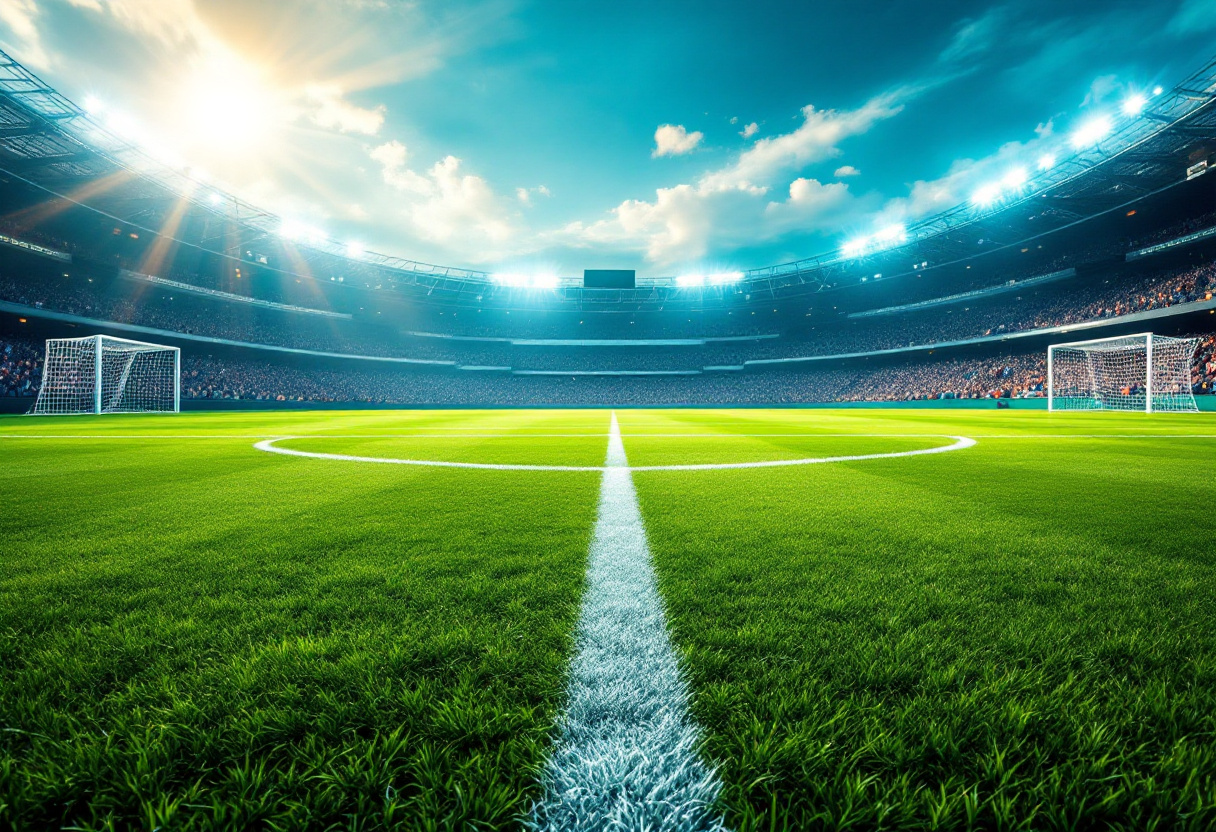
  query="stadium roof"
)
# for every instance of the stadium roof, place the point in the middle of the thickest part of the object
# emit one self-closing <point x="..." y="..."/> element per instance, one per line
<point x="49" y="142"/>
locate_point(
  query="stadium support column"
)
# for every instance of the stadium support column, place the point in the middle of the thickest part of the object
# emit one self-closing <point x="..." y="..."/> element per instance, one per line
<point x="97" y="374"/>
<point x="1148" y="373"/>
<point x="1050" y="380"/>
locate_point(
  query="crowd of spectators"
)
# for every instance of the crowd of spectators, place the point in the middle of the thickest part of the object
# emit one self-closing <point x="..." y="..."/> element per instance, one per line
<point x="251" y="379"/>
<point x="1173" y="232"/>
<point x="20" y="367"/>
<point x="206" y="378"/>
<point x="1047" y="306"/>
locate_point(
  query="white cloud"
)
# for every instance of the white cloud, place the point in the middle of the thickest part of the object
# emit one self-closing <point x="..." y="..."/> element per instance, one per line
<point x="20" y="17"/>
<point x="674" y="140"/>
<point x="332" y="111"/>
<point x="392" y="157"/>
<point x="750" y="130"/>
<point x="974" y="36"/>
<point x="679" y="225"/>
<point x="732" y="206"/>
<point x="524" y="195"/>
<point x="846" y="170"/>
<point x="449" y="206"/>
<point x="815" y="140"/>
<point x="171" y="22"/>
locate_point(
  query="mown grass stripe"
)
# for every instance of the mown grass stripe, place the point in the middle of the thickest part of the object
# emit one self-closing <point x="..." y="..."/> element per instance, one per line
<point x="627" y="754"/>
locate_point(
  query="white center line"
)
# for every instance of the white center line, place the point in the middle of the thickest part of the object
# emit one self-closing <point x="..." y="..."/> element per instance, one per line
<point x="627" y="752"/>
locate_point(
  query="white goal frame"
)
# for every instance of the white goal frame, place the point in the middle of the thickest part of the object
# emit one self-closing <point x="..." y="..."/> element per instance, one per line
<point x="103" y="374"/>
<point x="1140" y="372"/>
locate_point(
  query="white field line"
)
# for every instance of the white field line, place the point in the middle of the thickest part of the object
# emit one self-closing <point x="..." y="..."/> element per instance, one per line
<point x="278" y="437"/>
<point x="268" y="445"/>
<point x="627" y="752"/>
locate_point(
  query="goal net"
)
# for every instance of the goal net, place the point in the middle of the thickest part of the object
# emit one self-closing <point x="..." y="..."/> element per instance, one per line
<point x="100" y="374"/>
<point x="1142" y="372"/>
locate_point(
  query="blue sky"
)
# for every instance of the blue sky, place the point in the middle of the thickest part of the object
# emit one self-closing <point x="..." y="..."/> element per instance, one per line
<point x="666" y="136"/>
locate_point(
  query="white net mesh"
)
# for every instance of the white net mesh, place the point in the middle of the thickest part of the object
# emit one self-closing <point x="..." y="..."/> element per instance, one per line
<point x="101" y="374"/>
<point x="1113" y="374"/>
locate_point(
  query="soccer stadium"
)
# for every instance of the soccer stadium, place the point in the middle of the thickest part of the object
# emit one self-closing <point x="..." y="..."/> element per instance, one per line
<point x="855" y="472"/>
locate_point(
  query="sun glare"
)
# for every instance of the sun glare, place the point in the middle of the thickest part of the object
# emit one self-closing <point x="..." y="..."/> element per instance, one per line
<point x="226" y="105"/>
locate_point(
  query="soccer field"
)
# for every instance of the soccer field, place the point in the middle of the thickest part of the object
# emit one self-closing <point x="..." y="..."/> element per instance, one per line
<point x="883" y="619"/>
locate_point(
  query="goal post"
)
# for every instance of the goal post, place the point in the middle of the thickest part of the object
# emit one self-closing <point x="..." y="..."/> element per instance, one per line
<point x="103" y="374"/>
<point x="1142" y="372"/>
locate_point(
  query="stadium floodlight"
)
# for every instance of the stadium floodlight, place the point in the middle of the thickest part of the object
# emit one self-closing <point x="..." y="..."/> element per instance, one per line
<point x="894" y="233"/>
<point x="855" y="247"/>
<point x="985" y="195"/>
<point x="885" y="237"/>
<point x="354" y="250"/>
<point x="1157" y="90"/>
<point x="93" y="105"/>
<point x="519" y="280"/>
<point x="715" y="279"/>
<point x="1016" y="179"/>
<point x="1091" y="132"/>
<point x="215" y="199"/>
<point x="1047" y="161"/>
<point x="100" y="374"/>
<point x="1134" y="104"/>
<point x="1143" y="372"/>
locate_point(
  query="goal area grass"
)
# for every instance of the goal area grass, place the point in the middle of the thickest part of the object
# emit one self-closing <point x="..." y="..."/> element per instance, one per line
<point x="198" y="634"/>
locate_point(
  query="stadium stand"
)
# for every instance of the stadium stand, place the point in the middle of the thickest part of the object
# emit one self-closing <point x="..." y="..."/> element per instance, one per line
<point x="965" y="309"/>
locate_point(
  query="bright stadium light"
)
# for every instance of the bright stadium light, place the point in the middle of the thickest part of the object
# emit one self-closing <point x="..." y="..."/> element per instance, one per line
<point x="855" y="247"/>
<point x="1091" y="132"/>
<point x="1015" y="179"/>
<point x="713" y="279"/>
<point x="986" y="195"/>
<point x="354" y="250"/>
<point x="895" y="233"/>
<point x="518" y="280"/>
<point x="215" y="199"/>
<point x="299" y="232"/>
<point x="1157" y="90"/>
<point x="1134" y="104"/>
<point x="1047" y="161"/>
<point x="93" y="105"/>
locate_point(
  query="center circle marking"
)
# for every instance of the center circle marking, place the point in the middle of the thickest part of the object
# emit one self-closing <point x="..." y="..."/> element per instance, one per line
<point x="270" y="446"/>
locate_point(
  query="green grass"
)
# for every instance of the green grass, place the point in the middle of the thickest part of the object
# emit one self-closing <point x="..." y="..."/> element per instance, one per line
<point x="197" y="635"/>
<point x="1017" y="636"/>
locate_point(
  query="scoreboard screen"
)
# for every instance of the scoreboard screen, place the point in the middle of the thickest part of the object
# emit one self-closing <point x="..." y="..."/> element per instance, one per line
<point x="609" y="278"/>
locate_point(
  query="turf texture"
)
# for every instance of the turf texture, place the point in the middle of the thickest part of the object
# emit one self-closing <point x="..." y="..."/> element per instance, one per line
<point x="198" y="635"/>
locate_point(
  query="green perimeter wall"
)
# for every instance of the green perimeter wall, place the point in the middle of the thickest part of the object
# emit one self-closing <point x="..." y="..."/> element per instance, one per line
<point x="24" y="403"/>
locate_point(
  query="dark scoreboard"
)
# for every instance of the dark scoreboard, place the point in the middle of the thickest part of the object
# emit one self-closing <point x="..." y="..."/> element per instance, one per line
<point x="609" y="278"/>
